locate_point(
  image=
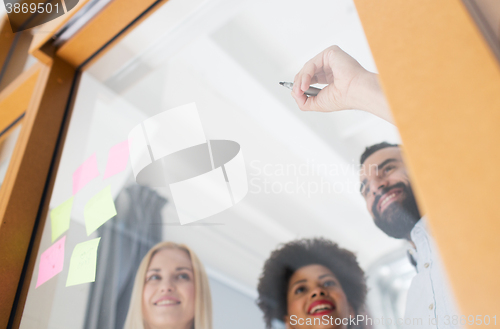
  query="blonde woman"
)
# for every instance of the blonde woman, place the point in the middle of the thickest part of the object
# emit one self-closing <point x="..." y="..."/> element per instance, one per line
<point x="170" y="291"/>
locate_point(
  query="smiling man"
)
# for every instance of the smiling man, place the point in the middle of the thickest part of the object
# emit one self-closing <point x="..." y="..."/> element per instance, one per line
<point x="385" y="185"/>
<point x="390" y="200"/>
<point x="387" y="190"/>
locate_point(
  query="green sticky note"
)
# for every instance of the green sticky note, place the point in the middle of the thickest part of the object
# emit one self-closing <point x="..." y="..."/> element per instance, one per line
<point x="99" y="210"/>
<point x="83" y="263"/>
<point x="60" y="218"/>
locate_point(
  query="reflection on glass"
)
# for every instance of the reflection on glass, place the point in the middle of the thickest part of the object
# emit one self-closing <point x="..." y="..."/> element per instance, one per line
<point x="7" y="145"/>
<point x="302" y="169"/>
<point x="17" y="60"/>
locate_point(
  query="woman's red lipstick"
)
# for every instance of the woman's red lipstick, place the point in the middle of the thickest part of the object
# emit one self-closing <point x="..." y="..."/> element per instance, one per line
<point x="320" y="307"/>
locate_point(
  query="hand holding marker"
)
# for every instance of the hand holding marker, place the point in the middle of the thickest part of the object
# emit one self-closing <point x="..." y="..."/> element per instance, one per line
<point x="312" y="91"/>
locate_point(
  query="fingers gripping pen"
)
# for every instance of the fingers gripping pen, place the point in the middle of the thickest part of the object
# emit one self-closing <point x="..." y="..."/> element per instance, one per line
<point x="312" y="91"/>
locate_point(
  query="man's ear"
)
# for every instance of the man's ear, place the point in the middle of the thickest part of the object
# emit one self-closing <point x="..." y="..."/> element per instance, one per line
<point x="286" y="319"/>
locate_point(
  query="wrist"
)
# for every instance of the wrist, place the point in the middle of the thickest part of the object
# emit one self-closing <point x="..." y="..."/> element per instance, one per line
<point x="369" y="96"/>
<point x="366" y="90"/>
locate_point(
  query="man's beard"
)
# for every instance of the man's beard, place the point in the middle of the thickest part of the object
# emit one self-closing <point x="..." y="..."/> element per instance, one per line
<point x="398" y="219"/>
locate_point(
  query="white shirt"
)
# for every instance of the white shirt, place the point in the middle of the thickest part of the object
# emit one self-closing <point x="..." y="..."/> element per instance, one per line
<point x="430" y="303"/>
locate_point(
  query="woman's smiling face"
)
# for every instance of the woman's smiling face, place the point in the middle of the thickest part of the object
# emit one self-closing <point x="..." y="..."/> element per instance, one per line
<point x="169" y="291"/>
<point x="314" y="292"/>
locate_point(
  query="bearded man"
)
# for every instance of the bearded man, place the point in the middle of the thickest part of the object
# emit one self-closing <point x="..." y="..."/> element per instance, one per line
<point x="385" y="185"/>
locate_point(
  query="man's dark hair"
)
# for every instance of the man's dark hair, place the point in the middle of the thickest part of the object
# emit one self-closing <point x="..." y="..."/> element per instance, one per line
<point x="283" y="262"/>
<point x="374" y="148"/>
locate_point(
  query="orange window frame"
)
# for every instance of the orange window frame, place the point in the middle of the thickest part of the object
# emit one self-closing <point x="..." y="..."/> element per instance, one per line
<point x="441" y="79"/>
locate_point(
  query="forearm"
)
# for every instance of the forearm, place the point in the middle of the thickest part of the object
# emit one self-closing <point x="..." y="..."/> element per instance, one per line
<point x="367" y="95"/>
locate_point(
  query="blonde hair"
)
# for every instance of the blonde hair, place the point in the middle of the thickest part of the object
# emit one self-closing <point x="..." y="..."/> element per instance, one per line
<point x="203" y="299"/>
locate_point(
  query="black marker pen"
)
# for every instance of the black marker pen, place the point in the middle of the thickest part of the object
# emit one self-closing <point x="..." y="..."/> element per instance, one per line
<point x="312" y="91"/>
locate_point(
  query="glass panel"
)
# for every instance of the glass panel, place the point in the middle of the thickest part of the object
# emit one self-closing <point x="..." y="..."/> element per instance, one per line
<point x="269" y="173"/>
<point x="18" y="60"/>
<point x="7" y="146"/>
<point x="30" y="61"/>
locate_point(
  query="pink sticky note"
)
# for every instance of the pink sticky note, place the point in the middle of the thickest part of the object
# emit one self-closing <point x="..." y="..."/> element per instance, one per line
<point x="117" y="159"/>
<point x="51" y="262"/>
<point x="85" y="173"/>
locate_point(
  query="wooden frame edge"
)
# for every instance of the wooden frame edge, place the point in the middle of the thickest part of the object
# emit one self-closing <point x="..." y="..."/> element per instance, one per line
<point x="14" y="98"/>
<point x="106" y="28"/>
<point x="44" y="208"/>
<point x="6" y="40"/>
<point x="43" y="33"/>
<point x="441" y="80"/>
<point x="49" y="99"/>
<point x="27" y="176"/>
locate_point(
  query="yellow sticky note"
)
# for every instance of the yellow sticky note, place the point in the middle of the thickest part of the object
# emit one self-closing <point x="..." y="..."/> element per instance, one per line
<point x="99" y="210"/>
<point x="82" y="265"/>
<point x="60" y="218"/>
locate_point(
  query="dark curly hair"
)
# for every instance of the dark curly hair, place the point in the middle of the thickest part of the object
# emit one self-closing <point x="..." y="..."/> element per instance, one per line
<point x="283" y="262"/>
<point x="374" y="148"/>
